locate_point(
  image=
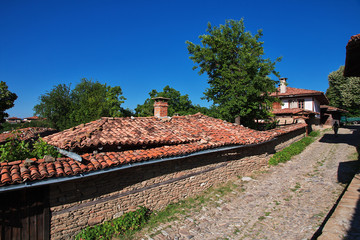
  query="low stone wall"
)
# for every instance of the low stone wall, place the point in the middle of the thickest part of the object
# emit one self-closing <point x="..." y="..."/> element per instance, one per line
<point x="91" y="200"/>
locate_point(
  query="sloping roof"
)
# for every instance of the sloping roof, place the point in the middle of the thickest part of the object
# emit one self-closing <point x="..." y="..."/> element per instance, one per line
<point x="27" y="133"/>
<point x="332" y="109"/>
<point x="298" y="92"/>
<point x="294" y="111"/>
<point x="352" y="61"/>
<point x="177" y="137"/>
<point x="13" y="118"/>
<point x="33" y="118"/>
<point x="111" y="133"/>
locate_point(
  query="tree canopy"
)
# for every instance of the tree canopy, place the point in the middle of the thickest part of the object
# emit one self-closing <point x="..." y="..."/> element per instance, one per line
<point x="65" y="107"/>
<point x="238" y="73"/>
<point x="344" y="92"/>
<point x="7" y="100"/>
<point x="178" y="104"/>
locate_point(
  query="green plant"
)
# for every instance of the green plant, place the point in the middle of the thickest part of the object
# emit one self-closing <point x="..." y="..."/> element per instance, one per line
<point x="41" y="148"/>
<point x="292" y="150"/>
<point x="126" y="224"/>
<point x="16" y="149"/>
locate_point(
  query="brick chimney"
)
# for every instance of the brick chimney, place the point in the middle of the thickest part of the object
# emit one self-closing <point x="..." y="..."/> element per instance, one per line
<point x="283" y="85"/>
<point x="161" y="107"/>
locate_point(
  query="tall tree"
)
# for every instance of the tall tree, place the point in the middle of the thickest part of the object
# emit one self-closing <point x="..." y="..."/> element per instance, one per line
<point x="56" y="106"/>
<point x="88" y="101"/>
<point x="178" y="104"/>
<point x="344" y="92"/>
<point x="92" y="100"/>
<point x="7" y="100"/>
<point x="238" y="73"/>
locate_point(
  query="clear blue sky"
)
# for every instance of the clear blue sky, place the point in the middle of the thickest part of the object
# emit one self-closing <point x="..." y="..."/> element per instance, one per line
<point x="140" y="45"/>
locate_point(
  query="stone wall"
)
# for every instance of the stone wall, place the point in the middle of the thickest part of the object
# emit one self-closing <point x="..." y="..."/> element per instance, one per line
<point x="91" y="200"/>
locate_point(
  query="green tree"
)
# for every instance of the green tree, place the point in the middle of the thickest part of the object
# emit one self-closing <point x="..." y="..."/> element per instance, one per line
<point x="178" y="104"/>
<point x="88" y="101"/>
<point x="238" y="73"/>
<point x="344" y="92"/>
<point x="92" y="100"/>
<point x="7" y="100"/>
<point x="56" y="106"/>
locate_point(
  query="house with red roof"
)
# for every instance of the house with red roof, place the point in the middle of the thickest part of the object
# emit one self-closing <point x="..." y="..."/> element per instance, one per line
<point x="14" y="120"/>
<point x="112" y="165"/>
<point x="298" y="104"/>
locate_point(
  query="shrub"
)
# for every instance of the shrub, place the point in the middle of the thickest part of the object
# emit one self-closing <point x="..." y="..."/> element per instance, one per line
<point x="294" y="149"/>
<point x="16" y="149"/>
<point x="126" y="224"/>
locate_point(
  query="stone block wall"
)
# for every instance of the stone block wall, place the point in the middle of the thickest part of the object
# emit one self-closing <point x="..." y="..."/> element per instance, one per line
<point x="92" y="200"/>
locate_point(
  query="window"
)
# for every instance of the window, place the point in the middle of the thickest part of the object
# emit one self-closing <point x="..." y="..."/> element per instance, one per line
<point x="292" y="104"/>
<point x="301" y="103"/>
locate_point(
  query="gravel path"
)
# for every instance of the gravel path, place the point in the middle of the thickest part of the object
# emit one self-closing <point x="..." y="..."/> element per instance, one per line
<point x="288" y="201"/>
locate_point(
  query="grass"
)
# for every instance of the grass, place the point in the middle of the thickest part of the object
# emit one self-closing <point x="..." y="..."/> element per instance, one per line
<point x="294" y="149"/>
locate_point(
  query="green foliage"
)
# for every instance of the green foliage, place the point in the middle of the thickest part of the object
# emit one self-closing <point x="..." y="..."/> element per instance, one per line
<point x="294" y="149"/>
<point x="7" y="100"/>
<point x="56" y="106"/>
<point x="178" y="104"/>
<point x="344" y="92"/>
<point x="126" y="224"/>
<point x="41" y="148"/>
<point x="13" y="150"/>
<point x="237" y="72"/>
<point x="65" y="107"/>
<point x="16" y="149"/>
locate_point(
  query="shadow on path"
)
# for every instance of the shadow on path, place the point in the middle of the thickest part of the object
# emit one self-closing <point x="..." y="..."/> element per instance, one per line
<point x="346" y="172"/>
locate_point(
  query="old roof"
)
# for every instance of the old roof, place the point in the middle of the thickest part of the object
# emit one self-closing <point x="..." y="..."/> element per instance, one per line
<point x="298" y="92"/>
<point x="26" y="133"/>
<point x="328" y="108"/>
<point x="294" y="111"/>
<point x="352" y="61"/>
<point x="150" y="138"/>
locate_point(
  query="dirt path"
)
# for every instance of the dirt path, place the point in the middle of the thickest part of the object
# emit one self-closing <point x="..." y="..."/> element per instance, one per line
<point x="288" y="201"/>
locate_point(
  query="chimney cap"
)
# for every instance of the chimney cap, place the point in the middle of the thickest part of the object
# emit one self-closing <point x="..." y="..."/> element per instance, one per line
<point x="283" y="78"/>
<point x="161" y="99"/>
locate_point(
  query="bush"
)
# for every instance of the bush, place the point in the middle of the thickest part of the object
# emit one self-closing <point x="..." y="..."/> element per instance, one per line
<point x="126" y="224"/>
<point x="16" y="149"/>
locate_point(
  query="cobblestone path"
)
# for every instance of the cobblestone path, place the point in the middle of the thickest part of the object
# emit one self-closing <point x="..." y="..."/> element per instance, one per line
<point x="288" y="201"/>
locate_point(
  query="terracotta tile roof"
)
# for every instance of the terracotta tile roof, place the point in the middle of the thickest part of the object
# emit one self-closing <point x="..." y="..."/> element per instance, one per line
<point x="354" y="41"/>
<point x="13" y="118"/>
<point x="332" y="109"/>
<point x="298" y="92"/>
<point x="352" y="60"/>
<point x="190" y="134"/>
<point x="295" y="111"/>
<point x="26" y="133"/>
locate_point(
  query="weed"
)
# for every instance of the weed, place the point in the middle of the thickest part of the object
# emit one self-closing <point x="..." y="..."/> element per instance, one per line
<point x="236" y="231"/>
<point x="261" y="218"/>
<point x="267" y="214"/>
<point x="297" y="186"/>
<point x="292" y="150"/>
<point x="276" y="203"/>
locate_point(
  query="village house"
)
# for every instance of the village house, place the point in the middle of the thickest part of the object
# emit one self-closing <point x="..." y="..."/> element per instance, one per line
<point x="303" y="105"/>
<point x="13" y="120"/>
<point x="121" y="163"/>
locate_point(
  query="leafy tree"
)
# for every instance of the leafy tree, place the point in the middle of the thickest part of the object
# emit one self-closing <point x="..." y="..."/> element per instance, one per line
<point x="88" y="101"/>
<point x="7" y="99"/>
<point x="178" y="104"/>
<point x="344" y="92"/>
<point x="238" y="73"/>
<point x="56" y="106"/>
<point x="92" y="100"/>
